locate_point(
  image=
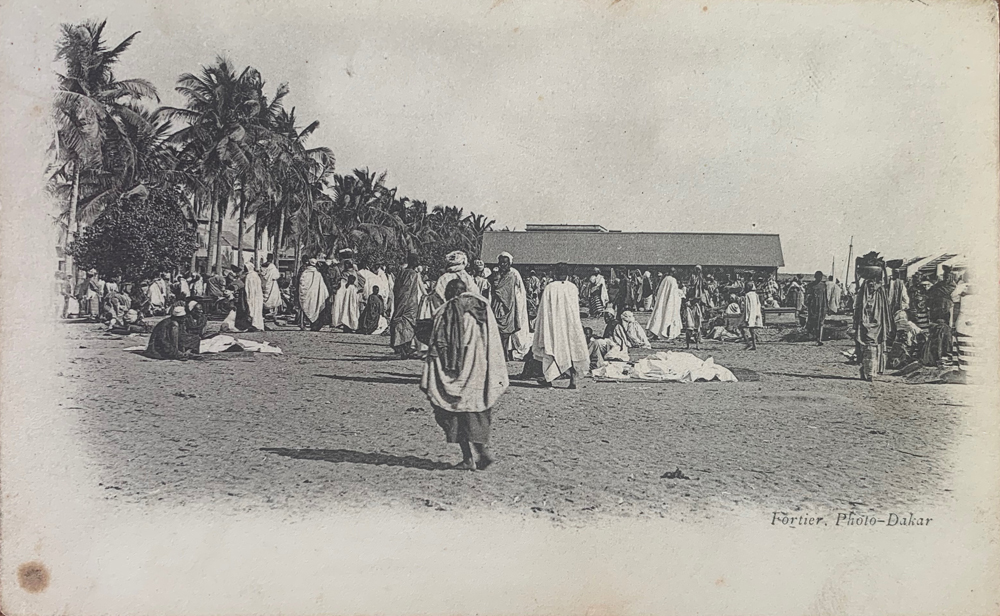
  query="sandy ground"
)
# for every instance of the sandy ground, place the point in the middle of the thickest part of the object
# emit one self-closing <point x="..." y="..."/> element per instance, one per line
<point x="336" y="421"/>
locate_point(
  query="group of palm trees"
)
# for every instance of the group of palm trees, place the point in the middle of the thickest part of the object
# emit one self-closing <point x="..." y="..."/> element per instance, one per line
<point x="234" y="151"/>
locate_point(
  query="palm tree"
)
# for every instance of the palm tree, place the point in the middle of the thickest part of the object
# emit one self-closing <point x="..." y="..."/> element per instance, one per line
<point x="97" y="117"/>
<point x="220" y="132"/>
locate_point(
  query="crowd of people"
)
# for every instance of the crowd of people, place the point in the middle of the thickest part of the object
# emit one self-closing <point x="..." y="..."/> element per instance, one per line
<point x="467" y="321"/>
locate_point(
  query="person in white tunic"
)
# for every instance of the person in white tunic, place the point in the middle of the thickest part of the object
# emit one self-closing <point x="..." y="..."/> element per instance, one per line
<point x="559" y="343"/>
<point x="665" y="321"/>
<point x="752" y="317"/>
<point x="457" y="262"/>
<point x="313" y="295"/>
<point x="269" y="285"/>
<point x="346" y="311"/>
<point x="255" y="297"/>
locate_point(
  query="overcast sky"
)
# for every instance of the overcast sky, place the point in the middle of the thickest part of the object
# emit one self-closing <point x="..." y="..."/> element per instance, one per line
<point x="815" y="122"/>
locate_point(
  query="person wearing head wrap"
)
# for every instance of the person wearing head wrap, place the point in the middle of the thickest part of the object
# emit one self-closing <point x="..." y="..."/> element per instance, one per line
<point x="510" y="306"/>
<point x="465" y="372"/>
<point x="165" y="339"/>
<point x="346" y="309"/>
<point x="269" y="286"/>
<point x="872" y="322"/>
<point x="481" y="274"/>
<point x="665" y="320"/>
<point x="559" y="341"/>
<point x="194" y="327"/>
<point x="456" y="269"/>
<point x="252" y="302"/>
<point x="313" y="295"/>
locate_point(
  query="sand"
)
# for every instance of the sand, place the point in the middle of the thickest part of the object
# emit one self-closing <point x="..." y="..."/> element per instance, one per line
<point x="338" y="422"/>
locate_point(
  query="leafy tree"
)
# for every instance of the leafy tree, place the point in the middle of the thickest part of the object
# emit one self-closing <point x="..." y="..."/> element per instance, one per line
<point x="144" y="232"/>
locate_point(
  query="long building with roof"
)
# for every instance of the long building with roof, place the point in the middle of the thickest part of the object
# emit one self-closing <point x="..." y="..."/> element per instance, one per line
<point x="588" y="246"/>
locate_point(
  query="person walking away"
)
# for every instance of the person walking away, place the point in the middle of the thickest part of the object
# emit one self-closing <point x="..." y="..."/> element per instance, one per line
<point x="465" y="372"/>
<point x="346" y="311"/>
<point x="407" y="293"/>
<point x="559" y="342"/>
<point x="872" y="323"/>
<point x="752" y="317"/>
<point x="457" y="262"/>
<point x="165" y="339"/>
<point x="313" y="298"/>
<point x="832" y="296"/>
<point x="817" y="299"/>
<point x="665" y="321"/>
<point x="533" y="289"/>
<point x="255" y="297"/>
<point x="269" y="286"/>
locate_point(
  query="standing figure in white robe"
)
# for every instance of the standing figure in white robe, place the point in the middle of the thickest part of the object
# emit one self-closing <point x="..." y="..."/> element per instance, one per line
<point x="269" y="284"/>
<point x="665" y="321"/>
<point x="313" y="294"/>
<point x="510" y="306"/>
<point x="457" y="262"/>
<point x="560" y="343"/>
<point x="346" y="311"/>
<point x="255" y="297"/>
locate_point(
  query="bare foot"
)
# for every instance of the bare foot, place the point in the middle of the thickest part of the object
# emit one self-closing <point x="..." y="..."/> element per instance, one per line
<point x="485" y="460"/>
<point x="464" y="465"/>
<point x="571" y="386"/>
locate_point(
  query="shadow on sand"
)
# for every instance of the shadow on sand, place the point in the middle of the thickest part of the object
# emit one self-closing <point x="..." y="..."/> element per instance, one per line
<point x="338" y="456"/>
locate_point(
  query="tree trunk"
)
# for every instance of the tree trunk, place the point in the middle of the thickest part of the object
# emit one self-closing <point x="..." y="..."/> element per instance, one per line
<point x="256" y="241"/>
<point x="298" y="252"/>
<point x="197" y="234"/>
<point x="239" y="237"/>
<point x="218" y="237"/>
<point x="279" y="239"/>
<point x="74" y="199"/>
<point x="213" y="234"/>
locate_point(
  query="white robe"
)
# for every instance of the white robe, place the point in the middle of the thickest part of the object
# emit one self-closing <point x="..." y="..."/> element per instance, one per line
<point x="665" y="321"/>
<point x="371" y="280"/>
<point x="156" y="297"/>
<point x="559" y="342"/>
<point x="346" y="309"/>
<point x="255" y="300"/>
<point x="312" y="293"/>
<point x="269" y="286"/>
<point x="467" y="278"/>
<point x="752" y="316"/>
<point x="520" y="341"/>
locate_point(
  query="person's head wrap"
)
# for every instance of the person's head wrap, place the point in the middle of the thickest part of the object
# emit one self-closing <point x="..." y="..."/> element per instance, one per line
<point x="312" y="262"/>
<point x="509" y="256"/>
<point x="456" y="261"/>
<point x="131" y="316"/>
<point x="178" y="311"/>
<point x="628" y="317"/>
<point x="191" y="305"/>
<point x="92" y="271"/>
<point x="487" y="272"/>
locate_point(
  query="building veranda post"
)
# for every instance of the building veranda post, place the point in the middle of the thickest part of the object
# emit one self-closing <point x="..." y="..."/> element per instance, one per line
<point x="584" y="247"/>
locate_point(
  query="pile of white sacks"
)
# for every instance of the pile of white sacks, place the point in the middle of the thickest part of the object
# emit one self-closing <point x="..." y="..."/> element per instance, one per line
<point x="666" y="366"/>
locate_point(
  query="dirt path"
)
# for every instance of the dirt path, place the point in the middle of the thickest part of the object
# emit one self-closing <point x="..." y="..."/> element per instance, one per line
<point x="337" y="422"/>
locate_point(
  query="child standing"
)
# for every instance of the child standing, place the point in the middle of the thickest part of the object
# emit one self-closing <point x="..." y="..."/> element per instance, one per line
<point x="691" y="317"/>
<point x="752" y="318"/>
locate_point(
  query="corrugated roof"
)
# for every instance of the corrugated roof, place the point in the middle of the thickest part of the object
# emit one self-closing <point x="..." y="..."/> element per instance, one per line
<point x="654" y="249"/>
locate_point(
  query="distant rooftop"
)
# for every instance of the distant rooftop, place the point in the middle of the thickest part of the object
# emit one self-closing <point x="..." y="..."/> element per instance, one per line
<point x="567" y="228"/>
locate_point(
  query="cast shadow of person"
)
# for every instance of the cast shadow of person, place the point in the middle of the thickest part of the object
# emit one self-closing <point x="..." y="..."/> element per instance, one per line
<point x="339" y="456"/>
